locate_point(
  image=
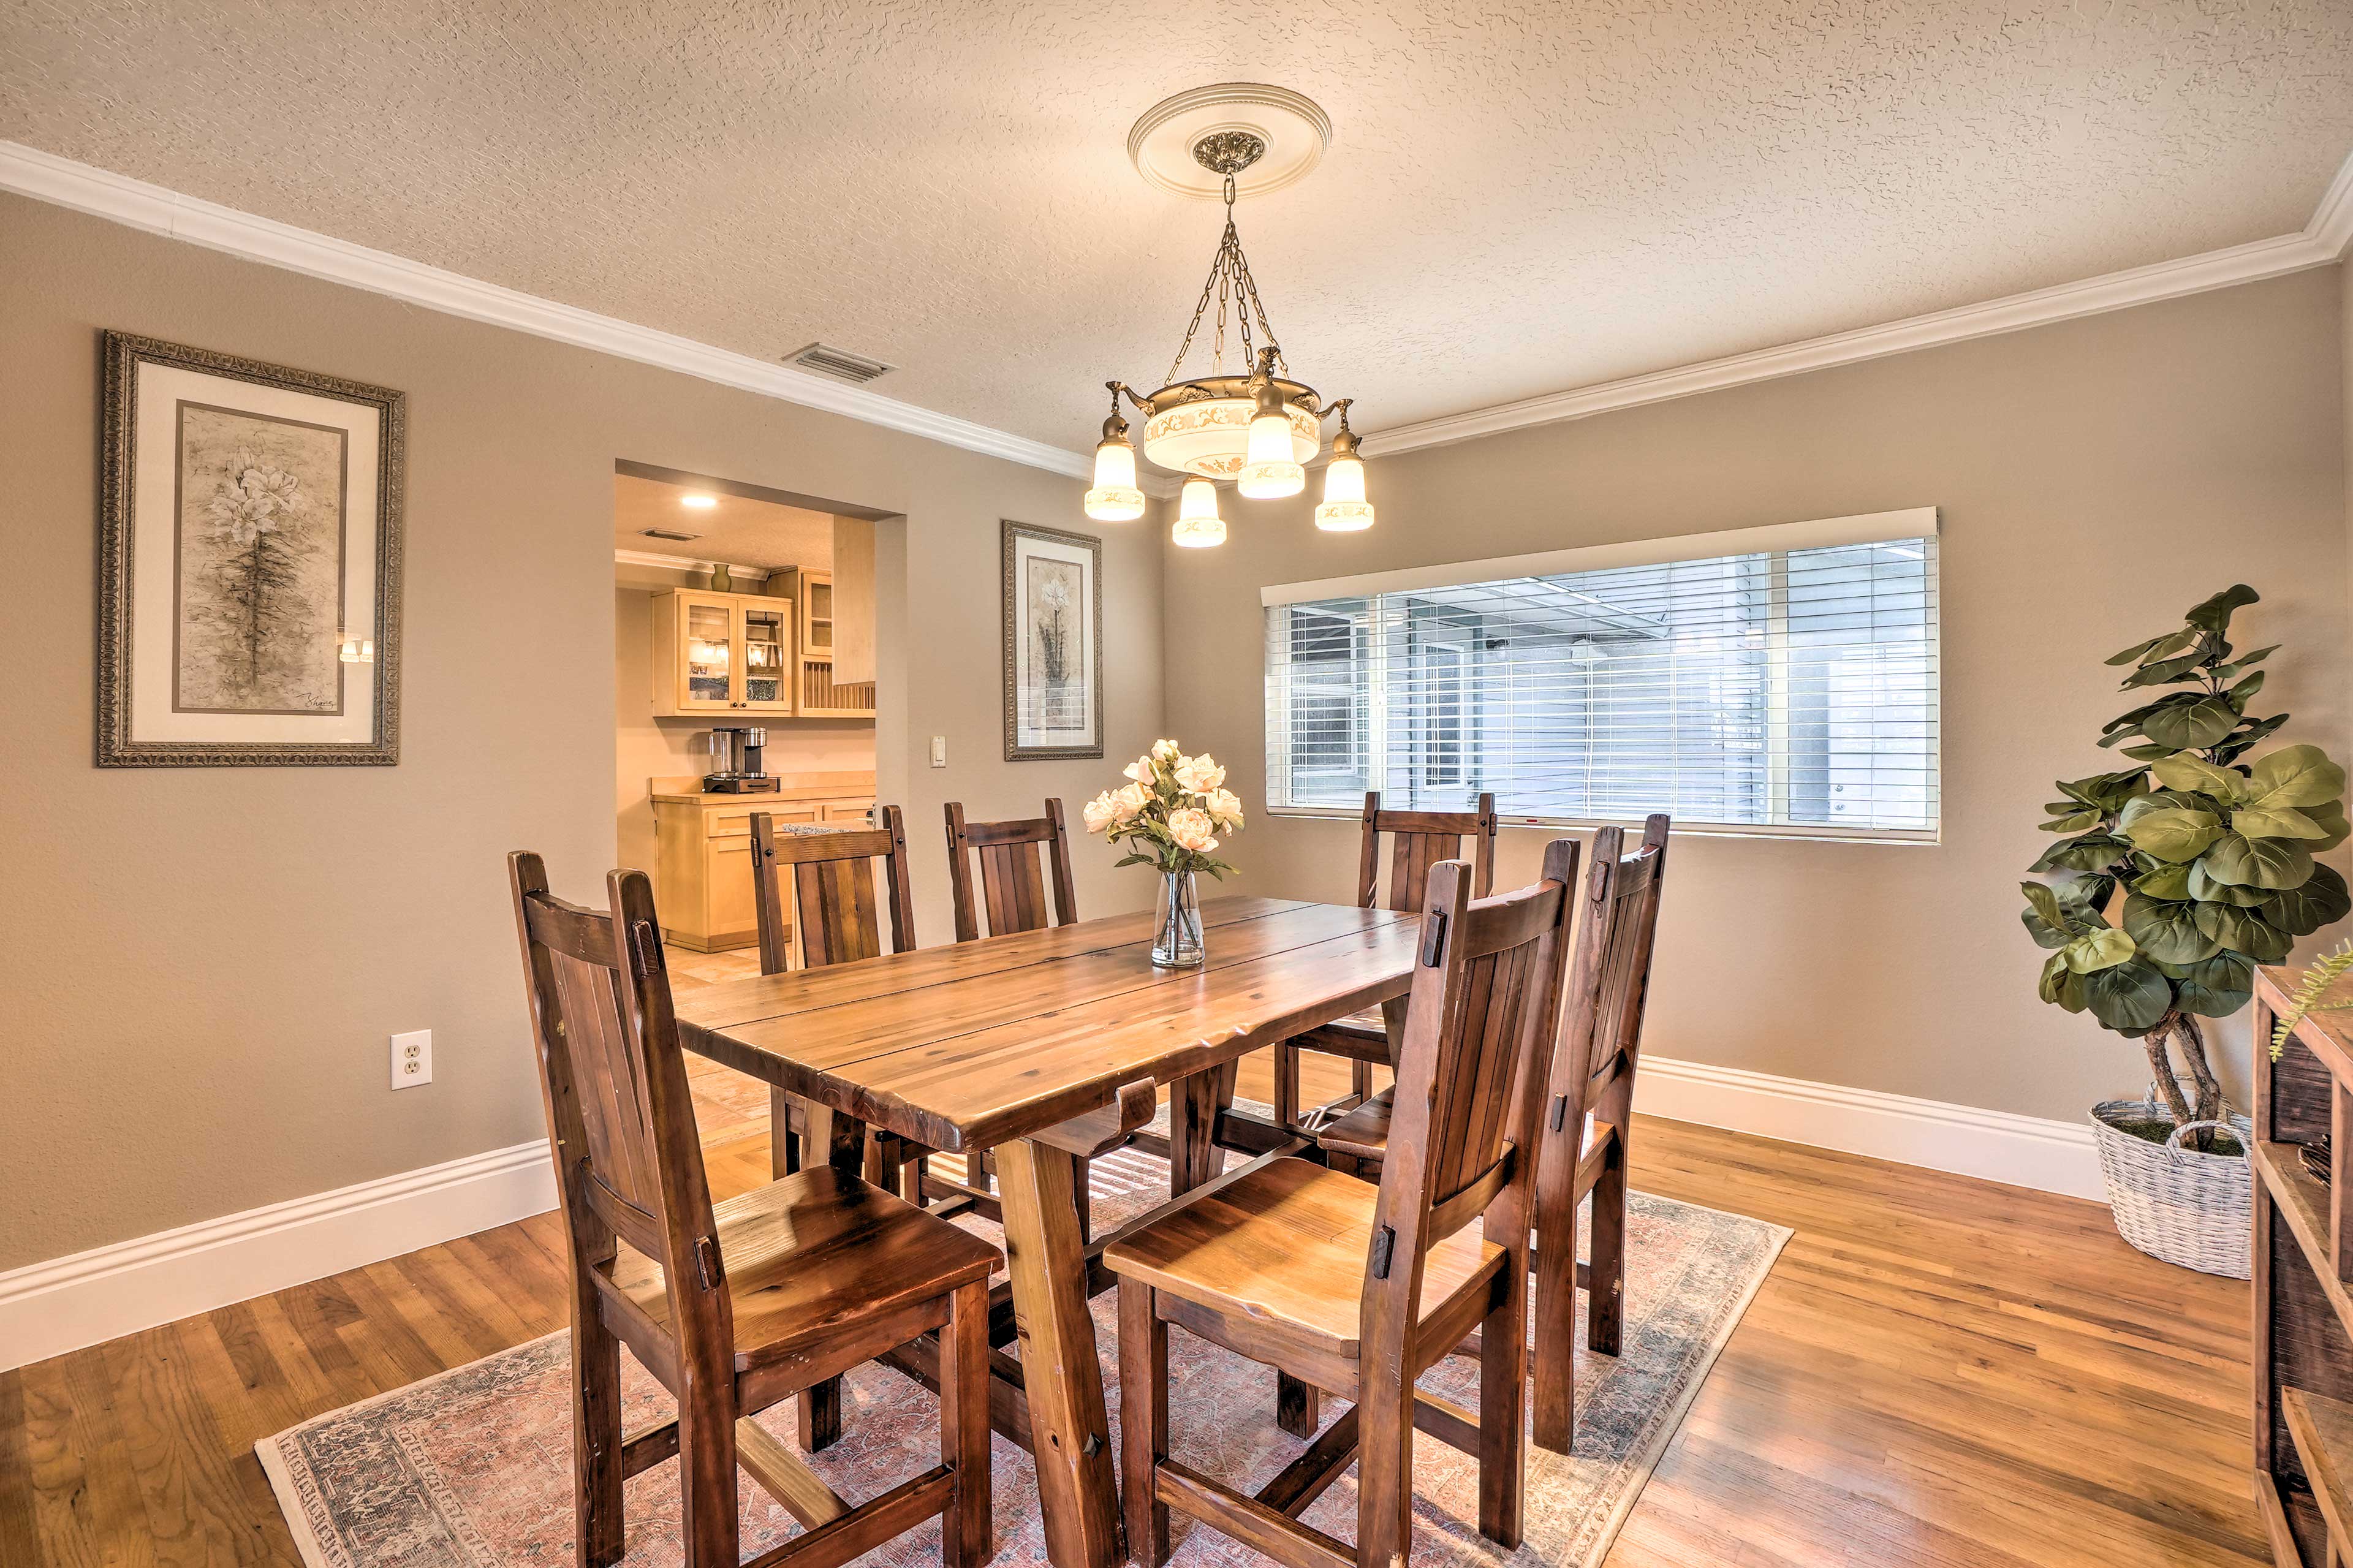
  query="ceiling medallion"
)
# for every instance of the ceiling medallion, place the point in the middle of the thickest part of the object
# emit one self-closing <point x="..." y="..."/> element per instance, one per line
<point x="1254" y="425"/>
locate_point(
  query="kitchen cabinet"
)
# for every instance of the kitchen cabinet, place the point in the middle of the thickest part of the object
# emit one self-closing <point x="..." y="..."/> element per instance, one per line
<point x="816" y="696"/>
<point x="723" y="652"/>
<point x="702" y="873"/>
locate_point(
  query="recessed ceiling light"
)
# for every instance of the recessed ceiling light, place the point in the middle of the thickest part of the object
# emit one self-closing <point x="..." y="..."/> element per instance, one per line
<point x="698" y="501"/>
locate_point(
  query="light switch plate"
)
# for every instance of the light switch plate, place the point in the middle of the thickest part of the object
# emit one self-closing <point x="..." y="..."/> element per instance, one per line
<point x="939" y="751"/>
<point x="412" y="1058"/>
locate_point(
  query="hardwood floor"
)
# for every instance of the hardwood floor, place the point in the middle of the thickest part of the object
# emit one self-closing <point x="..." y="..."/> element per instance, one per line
<point x="1938" y="1371"/>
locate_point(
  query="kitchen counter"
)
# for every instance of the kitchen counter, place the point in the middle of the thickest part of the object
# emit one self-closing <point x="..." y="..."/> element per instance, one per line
<point x="689" y="791"/>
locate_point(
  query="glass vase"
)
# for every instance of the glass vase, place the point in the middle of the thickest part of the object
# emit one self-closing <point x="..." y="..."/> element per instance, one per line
<point x="1176" y="929"/>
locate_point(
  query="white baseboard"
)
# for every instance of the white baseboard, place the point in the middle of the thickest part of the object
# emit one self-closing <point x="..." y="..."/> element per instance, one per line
<point x="1995" y="1145"/>
<point x="48" y="1308"/>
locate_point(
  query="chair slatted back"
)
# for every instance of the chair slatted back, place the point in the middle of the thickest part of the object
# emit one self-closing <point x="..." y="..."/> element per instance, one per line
<point x="613" y="1079"/>
<point x="1012" y="872"/>
<point x="833" y="892"/>
<point x="1629" y="933"/>
<point x="1471" y="1071"/>
<point x="1419" y="840"/>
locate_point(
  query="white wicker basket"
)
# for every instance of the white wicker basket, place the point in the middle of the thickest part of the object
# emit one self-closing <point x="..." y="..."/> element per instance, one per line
<point x="2173" y="1202"/>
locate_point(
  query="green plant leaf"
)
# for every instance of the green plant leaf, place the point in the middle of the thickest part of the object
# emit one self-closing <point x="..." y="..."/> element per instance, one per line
<point x="2141" y="650"/>
<point x="2331" y="820"/>
<point x="2042" y="902"/>
<point x="2172" y="833"/>
<point x="2165" y="883"/>
<point x="2216" y="988"/>
<point x="2323" y="899"/>
<point x="2098" y="950"/>
<point x="2272" y="822"/>
<point x="2246" y="688"/>
<point x="2148" y="752"/>
<point x="2191" y="724"/>
<point x="2074" y="822"/>
<point x="2237" y="861"/>
<point x="2294" y="775"/>
<point x="2127" y="997"/>
<point x="2244" y="661"/>
<point x="2207" y="890"/>
<point x="2093" y="852"/>
<point x="2161" y="672"/>
<point x="2056" y="976"/>
<point x="2214" y="614"/>
<point x="2243" y="931"/>
<point x="2187" y="771"/>
<point x="2238" y="745"/>
<point x="2166" y="930"/>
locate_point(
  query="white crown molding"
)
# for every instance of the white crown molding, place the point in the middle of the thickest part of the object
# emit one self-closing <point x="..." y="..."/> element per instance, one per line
<point x="1992" y="1146"/>
<point x="29" y="172"/>
<point x="2323" y="240"/>
<point x="48" y="1308"/>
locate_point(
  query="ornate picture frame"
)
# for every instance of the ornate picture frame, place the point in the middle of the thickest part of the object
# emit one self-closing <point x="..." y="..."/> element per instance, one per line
<point x="250" y="563"/>
<point x="1052" y="643"/>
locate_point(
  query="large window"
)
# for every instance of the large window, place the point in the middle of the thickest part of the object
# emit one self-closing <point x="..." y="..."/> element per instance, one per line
<point x="1779" y="689"/>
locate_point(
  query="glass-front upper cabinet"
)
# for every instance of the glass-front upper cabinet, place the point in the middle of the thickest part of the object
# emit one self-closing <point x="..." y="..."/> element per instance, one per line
<point x="721" y="653"/>
<point x="767" y="641"/>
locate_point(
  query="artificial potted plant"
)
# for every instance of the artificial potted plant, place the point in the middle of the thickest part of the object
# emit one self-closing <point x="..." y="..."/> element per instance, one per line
<point x="2171" y="880"/>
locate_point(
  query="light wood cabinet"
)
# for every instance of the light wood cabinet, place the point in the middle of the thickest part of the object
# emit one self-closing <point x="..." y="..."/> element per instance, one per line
<point x="816" y="696"/>
<point x="702" y="873"/>
<point x="723" y="652"/>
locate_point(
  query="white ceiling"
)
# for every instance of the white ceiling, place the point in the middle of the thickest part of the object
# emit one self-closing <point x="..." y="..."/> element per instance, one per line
<point x="1517" y="200"/>
<point x="740" y="530"/>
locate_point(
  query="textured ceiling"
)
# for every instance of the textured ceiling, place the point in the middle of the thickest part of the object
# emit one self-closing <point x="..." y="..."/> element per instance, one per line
<point x="1519" y="197"/>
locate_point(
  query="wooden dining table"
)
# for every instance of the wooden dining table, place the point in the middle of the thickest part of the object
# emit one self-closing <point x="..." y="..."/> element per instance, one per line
<point x="997" y="1044"/>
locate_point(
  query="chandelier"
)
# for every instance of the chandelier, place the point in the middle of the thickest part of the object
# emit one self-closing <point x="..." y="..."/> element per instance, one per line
<point x="1256" y="426"/>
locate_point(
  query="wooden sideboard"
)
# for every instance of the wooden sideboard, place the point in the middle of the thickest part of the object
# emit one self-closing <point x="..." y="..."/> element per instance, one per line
<point x="2303" y="1263"/>
<point x="702" y="873"/>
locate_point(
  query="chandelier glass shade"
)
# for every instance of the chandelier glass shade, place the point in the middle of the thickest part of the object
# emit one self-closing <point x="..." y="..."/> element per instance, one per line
<point x="1257" y="427"/>
<point x="1344" y="508"/>
<point x="1197" y="523"/>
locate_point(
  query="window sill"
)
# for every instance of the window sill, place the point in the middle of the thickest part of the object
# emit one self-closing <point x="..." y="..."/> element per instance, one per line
<point x="1887" y="838"/>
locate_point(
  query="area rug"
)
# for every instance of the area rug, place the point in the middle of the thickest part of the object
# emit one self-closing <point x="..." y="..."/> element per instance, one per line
<point x="471" y="1469"/>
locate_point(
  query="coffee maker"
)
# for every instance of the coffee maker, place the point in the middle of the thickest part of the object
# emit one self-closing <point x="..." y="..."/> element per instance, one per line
<point x="739" y="772"/>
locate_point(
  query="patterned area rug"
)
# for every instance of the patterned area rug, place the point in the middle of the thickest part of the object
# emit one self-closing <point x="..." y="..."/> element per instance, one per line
<point x="472" y="1468"/>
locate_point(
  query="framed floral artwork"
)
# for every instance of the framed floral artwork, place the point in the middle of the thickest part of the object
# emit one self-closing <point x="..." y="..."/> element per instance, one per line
<point x="250" y="563"/>
<point x="1052" y="643"/>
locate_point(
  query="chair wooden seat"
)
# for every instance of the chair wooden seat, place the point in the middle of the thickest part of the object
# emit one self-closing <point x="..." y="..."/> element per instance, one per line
<point x="811" y="1253"/>
<point x="1285" y="1243"/>
<point x="1363" y="1134"/>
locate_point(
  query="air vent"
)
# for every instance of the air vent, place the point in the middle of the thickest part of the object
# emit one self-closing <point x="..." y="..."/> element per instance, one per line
<point x="838" y="363"/>
<point x="670" y="533"/>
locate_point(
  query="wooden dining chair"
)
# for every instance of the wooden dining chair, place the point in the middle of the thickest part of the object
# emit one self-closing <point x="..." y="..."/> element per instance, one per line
<point x="1588" y="1120"/>
<point x="1012" y="893"/>
<point x="831" y="885"/>
<point x="1418" y="840"/>
<point x="735" y="1307"/>
<point x="1357" y="1288"/>
<point x="1012" y="875"/>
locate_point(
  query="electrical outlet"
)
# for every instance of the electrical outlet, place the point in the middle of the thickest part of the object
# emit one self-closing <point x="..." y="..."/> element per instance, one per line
<point x="939" y="751"/>
<point x="412" y="1058"/>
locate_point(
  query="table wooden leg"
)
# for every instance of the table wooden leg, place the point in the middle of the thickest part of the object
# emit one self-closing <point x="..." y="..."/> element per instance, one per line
<point x="1046" y="1260"/>
<point x="1194" y="1103"/>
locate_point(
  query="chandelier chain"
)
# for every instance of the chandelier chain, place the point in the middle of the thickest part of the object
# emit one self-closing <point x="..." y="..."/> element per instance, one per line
<point x="1230" y="283"/>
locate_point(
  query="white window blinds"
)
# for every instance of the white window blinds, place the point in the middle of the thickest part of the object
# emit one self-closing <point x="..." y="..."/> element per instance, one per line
<point x="1790" y="689"/>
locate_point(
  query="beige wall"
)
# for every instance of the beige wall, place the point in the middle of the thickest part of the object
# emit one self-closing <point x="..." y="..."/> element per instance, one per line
<point x="201" y="965"/>
<point x="647" y="747"/>
<point x="2095" y="478"/>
